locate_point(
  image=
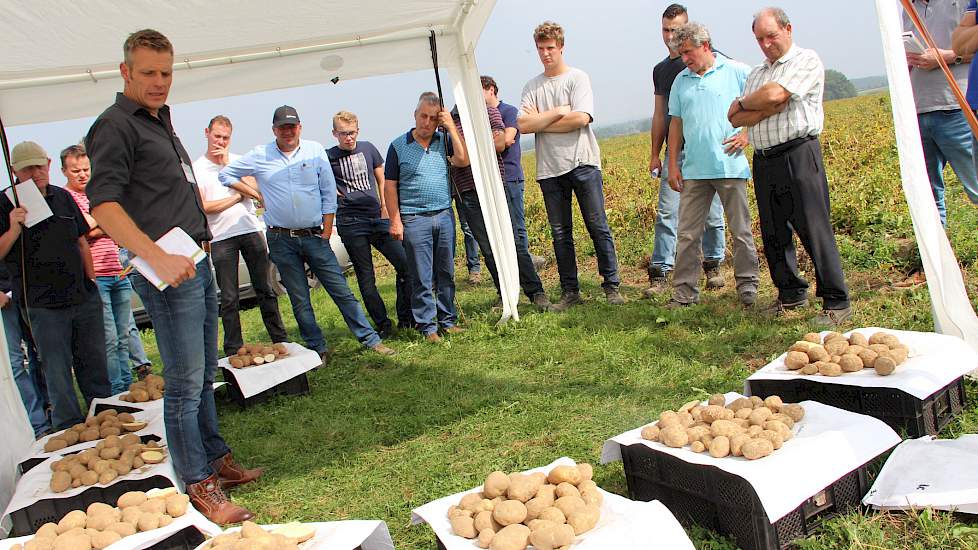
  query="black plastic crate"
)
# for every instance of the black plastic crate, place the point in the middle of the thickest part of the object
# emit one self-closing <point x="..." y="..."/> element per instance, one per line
<point x="897" y="408"/>
<point x="297" y="385"/>
<point x="187" y="538"/>
<point x="118" y="408"/>
<point x="26" y="521"/>
<point x="727" y="503"/>
<point x="31" y="462"/>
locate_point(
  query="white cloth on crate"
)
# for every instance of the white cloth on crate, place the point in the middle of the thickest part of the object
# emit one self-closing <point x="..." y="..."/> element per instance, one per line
<point x="254" y="380"/>
<point x="828" y="444"/>
<point x="154" y="426"/>
<point x="341" y="535"/>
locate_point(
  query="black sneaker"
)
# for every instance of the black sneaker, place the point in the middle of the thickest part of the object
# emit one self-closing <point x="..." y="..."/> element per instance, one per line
<point x="541" y="301"/>
<point x="614" y="296"/>
<point x="568" y="300"/>
<point x="385" y="330"/>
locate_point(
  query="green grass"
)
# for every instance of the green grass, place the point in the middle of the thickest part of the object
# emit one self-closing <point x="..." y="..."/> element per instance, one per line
<point x="377" y="437"/>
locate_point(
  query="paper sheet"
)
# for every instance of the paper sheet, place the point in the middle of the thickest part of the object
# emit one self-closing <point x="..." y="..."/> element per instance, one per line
<point x="909" y="479"/>
<point x="828" y="444"/>
<point x="32" y="200"/>
<point x="254" y="380"/>
<point x="935" y="361"/>
<point x="175" y="241"/>
<point x="341" y="535"/>
<point x="625" y="524"/>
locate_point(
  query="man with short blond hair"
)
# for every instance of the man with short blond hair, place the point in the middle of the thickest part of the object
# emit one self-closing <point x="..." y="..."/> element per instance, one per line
<point x="362" y="221"/>
<point x="558" y="107"/>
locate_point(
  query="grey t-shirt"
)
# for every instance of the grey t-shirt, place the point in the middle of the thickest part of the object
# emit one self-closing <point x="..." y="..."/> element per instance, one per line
<point x="559" y="153"/>
<point x="930" y="89"/>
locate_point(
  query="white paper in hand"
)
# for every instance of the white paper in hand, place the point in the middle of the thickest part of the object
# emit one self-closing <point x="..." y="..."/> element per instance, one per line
<point x="32" y="200"/>
<point x="176" y="242"/>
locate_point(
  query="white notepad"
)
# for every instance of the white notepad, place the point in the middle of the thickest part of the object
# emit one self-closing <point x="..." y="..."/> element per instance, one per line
<point x="32" y="200"/>
<point x="175" y="241"/>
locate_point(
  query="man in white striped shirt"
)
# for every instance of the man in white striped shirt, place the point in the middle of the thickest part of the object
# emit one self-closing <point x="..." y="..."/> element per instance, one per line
<point x="782" y="107"/>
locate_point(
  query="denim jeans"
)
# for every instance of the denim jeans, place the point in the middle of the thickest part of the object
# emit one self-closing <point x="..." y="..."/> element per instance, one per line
<point x="17" y="338"/>
<point x="471" y="245"/>
<point x="137" y="354"/>
<point x="529" y="279"/>
<point x="429" y="240"/>
<point x="946" y="138"/>
<point x="116" y="310"/>
<point x="252" y="248"/>
<point x="358" y="235"/>
<point x="470" y="208"/>
<point x="667" y="227"/>
<point x="290" y="255"/>
<point x="71" y="338"/>
<point x="185" y="321"/>
<point x="585" y="182"/>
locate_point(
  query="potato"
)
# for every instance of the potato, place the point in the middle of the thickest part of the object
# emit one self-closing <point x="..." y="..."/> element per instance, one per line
<point x="832" y="335"/>
<point x="176" y="505"/>
<point x="587" y="470"/>
<point x="552" y="514"/>
<point x="774" y="437"/>
<point x="124" y="529"/>
<point x="884" y="365"/>
<point x="509" y="512"/>
<point x="80" y="541"/>
<point x="697" y="433"/>
<point x="869" y="358"/>
<point x="567" y="505"/>
<point x="106" y="431"/>
<point x="152" y="457"/>
<point x="802" y="346"/>
<point x="858" y="339"/>
<point x="584" y="519"/>
<point x="236" y="362"/>
<point x="697" y="447"/>
<point x="650" y="432"/>
<point x="485" y="538"/>
<point x="712" y="413"/>
<point x="592" y="496"/>
<point x="39" y="544"/>
<point x="795" y="360"/>
<point x="780" y="428"/>
<point x="148" y="521"/>
<point x="131" y="515"/>
<point x="717" y="399"/>
<point x="739" y="403"/>
<point x="484" y="521"/>
<point x="495" y="485"/>
<point x="851" y="363"/>
<point x="757" y="448"/>
<point x="674" y="437"/>
<point x="817" y="353"/>
<point x="74" y="518"/>
<point x="109" y="453"/>
<point x="463" y="526"/>
<point x="551" y="537"/>
<point x="251" y="530"/>
<point x="725" y="428"/>
<point x="154" y="506"/>
<point x="122" y="466"/>
<point x="522" y="488"/>
<point x="784" y="419"/>
<point x="107" y="477"/>
<point x="837" y="346"/>
<point x="829" y="369"/>
<point x="104" y="538"/>
<point x="137" y="462"/>
<point x="774" y="403"/>
<point x="737" y="443"/>
<point x="567" y="490"/>
<point x="47" y="531"/>
<point x="813" y="337"/>
<point x="743" y="414"/>
<point x="720" y="446"/>
<point x="511" y="537"/>
<point x="76" y="483"/>
<point x="139" y="395"/>
<point x="759" y="416"/>
<point x="809" y="369"/>
<point x="560" y="474"/>
<point x="60" y="481"/>
<point x="55" y="444"/>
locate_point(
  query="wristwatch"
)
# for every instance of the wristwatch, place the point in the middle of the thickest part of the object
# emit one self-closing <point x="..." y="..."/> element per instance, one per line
<point x="958" y="60"/>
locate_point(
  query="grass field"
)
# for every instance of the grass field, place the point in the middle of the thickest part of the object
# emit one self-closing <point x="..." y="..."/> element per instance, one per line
<point x="377" y="437"/>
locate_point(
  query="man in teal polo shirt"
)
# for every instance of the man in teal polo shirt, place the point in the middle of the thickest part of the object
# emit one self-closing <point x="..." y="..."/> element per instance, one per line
<point x="714" y="162"/>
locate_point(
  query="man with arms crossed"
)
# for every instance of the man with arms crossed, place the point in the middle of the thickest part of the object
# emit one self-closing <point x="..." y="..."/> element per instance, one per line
<point x="142" y="187"/>
<point x="783" y="110"/>
<point x="713" y="163"/>
<point x="667" y="209"/>
<point x="557" y="106"/>
<point x="237" y="230"/>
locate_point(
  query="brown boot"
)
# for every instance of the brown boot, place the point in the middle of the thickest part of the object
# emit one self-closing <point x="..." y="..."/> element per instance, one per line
<point x="208" y="498"/>
<point x="232" y="474"/>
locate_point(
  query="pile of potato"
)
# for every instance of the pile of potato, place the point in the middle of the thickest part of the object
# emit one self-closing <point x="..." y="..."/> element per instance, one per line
<point x="749" y="427"/>
<point x="836" y="355"/>
<point x="515" y="510"/>
<point x="101" y="525"/>
<point x="112" y="457"/>
<point x="254" y="537"/>
<point x="148" y="389"/>
<point x="106" y="423"/>
<point x="251" y="355"/>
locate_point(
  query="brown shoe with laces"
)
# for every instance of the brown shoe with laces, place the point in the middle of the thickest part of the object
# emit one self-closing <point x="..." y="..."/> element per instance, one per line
<point x="208" y="498"/>
<point x="231" y="474"/>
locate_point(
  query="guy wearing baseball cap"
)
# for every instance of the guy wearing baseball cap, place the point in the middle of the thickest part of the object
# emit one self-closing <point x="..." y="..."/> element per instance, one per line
<point x="52" y="277"/>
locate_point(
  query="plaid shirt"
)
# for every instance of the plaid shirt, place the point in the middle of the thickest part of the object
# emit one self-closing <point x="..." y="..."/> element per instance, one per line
<point x="462" y="177"/>
<point x="799" y="71"/>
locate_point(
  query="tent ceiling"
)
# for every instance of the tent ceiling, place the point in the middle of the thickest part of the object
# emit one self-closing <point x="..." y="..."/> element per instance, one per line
<point x="222" y="49"/>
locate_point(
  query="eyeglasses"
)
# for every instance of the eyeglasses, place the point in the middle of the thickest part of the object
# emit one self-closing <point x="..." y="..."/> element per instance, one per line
<point x="346" y="134"/>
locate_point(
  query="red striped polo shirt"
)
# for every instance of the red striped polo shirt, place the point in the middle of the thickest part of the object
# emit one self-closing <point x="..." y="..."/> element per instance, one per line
<point x="105" y="253"/>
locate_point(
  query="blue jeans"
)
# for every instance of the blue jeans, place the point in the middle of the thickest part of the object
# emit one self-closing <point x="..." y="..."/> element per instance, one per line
<point x="667" y="224"/>
<point x="17" y="338"/>
<point x="116" y="311"/>
<point x="585" y="182"/>
<point x="71" y="338"/>
<point x="946" y="138"/>
<point x="137" y="354"/>
<point x="517" y="214"/>
<point x="429" y="240"/>
<point x="358" y="235"/>
<point x="290" y="255"/>
<point x="471" y="245"/>
<point x="185" y="321"/>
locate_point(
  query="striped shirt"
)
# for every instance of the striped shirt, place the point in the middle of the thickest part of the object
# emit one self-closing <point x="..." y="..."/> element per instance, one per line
<point x="462" y="177"/>
<point x="105" y="253"/>
<point x="801" y="73"/>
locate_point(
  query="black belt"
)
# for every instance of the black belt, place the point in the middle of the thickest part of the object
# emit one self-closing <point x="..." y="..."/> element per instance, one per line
<point x="783" y="148"/>
<point x="304" y="232"/>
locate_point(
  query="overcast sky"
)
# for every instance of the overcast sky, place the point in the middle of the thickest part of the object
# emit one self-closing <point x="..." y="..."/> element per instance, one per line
<point x="616" y="41"/>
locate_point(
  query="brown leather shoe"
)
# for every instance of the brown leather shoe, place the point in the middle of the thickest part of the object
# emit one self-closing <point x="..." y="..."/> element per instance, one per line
<point x="232" y="474"/>
<point x="208" y="498"/>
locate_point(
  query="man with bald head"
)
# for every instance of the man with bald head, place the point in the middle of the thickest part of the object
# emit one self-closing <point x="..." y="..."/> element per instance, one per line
<point x="782" y="108"/>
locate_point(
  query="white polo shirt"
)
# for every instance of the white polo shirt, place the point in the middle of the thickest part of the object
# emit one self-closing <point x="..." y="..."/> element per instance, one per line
<point x="237" y="220"/>
<point x="799" y="71"/>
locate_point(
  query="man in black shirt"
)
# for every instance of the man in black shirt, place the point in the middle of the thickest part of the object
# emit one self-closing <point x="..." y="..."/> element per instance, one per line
<point x="143" y="186"/>
<point x="362" y="221"/>
<point x="667" y="209"/>
<point x="52" y="274"/>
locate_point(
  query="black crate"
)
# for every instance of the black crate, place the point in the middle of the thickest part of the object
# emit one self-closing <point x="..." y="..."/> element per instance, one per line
<point x="27" y="520"/>
<point x="897" y="408"/>
<point x="31" y="462"/>
<point x="297" y="385"/>
<point x="187" y="538"/>
<point x="727" y="503"/>
<point x="118" y="408"/>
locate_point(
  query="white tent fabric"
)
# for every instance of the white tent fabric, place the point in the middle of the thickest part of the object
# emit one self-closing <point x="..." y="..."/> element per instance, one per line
<point x="17" y="432"/>
<point x="953" y="313"/>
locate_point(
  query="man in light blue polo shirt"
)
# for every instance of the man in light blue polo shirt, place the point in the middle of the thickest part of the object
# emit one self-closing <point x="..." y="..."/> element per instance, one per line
<point x="295" y="182"/>
<point x="714" y="162"/>
<point x="416" y="191"/>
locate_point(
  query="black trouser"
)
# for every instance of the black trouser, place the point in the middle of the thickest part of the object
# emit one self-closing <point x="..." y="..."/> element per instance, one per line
<point x="793" y="194"/>
<point x="358" y="235"/>
<point x="472" y="210"/>
<point x="224" y="254"/>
